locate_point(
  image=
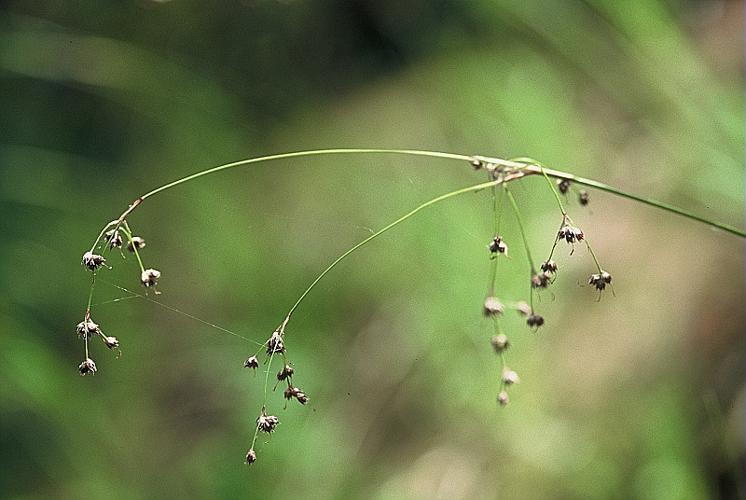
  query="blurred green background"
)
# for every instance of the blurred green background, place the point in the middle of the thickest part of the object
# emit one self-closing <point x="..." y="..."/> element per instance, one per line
<point x="635" y="396"/>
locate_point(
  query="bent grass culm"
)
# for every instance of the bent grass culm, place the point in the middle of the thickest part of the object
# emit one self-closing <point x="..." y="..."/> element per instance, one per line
<point x="118" y="236"/>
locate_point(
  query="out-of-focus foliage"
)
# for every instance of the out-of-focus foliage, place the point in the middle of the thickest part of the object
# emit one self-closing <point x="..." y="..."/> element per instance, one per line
<point x="637" y="396"/>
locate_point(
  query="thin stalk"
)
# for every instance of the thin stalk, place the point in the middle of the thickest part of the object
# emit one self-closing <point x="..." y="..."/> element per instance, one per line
<point x="647" y="201"/>
<point x="554" y="191"/>
<point x="493" y="263"/>
<point x="398" y="221"/>
<point x="527" y="167"/>
<point x="518" y="217"/>
<point x="90" y="297"/>
<point x="411" y="152"/>
<point x="593" y="254"/>
<point x="128" y="233"/>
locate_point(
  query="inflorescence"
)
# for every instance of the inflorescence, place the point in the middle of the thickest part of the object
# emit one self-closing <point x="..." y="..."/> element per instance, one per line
<point x="109" y="239"/>
<point x="118" y="235"/>
<point x="540" y="278"/>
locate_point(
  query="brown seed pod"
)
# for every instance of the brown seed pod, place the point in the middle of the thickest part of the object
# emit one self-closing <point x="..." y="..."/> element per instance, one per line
<point x="149" y="277"/>
<point x="114" y="238"/>
<point x="583" y="197"/>
<point x="136" y="243"/>
<point x="287" y="371"/>
<point x="498" y="245"/>
<point x="86" y="367"/>
<point x="267" y="423"/>
<point x="93" y="261"/>
<point x="549" y="266"/>
<point x="252" y="362"/>
<point x="534" y="320"/>
<point x="87" y="329"/>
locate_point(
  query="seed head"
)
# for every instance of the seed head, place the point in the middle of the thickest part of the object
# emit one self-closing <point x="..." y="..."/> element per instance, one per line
<point x="570" y="234"/>
<point x="541" y="280"/>
<point x="500" y="343"/>
<point x="503" y="398"/>
<point x="136" y="243"/>
<point x="476" y="163"/>
<point x="523" y="308"/>
<point x="563" y="185"/>
<point x="497" y="245"/>
<point x="289" y="392"/>
<point x="87" y="329"/>
<point x="549" y="266"/>
<point x="534" y="320"/>
<point x="275" y="344"/>
<point x="492" y="306"/>
<point x="149" y="277"/>
<point x="287" y="371"/>
<point x="114" y="238"/>
<point x="111" y="342"/>
<point x="86" y="367"/>
<point x="267" y="423"/>
<point x="252" y="363"/>
<point x="300" y="396"/>
<point x="93" y="261"/>
<point x="583" y="197"/>
<point x="510" y="377"/>
<point x="600" y="280"/>
<point x="251" y="456"/>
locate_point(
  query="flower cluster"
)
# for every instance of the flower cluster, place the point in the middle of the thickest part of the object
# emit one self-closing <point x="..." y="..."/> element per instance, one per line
<point x="274" y="346"/>
<point x="111" y="237"/>
<point x="540" y="278"/>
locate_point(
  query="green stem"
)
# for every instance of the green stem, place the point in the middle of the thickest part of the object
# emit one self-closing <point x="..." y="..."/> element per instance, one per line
<point x="411" y="152"/>
<point x="128" y="233"/>
<point x="518" y="217"/>
<point x="527" y="167"/>
<point x="648" y="201"/>
<point x="398" y="221"/>
<point x="554" y="191"/>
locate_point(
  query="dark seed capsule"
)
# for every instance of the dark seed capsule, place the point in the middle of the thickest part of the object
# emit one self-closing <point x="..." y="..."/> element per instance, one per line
<point x="275" y="344"/>
<point x="563" y="185"/>
<point x="583" y="197"/>
<point x="114" y="238"/>
<point x="540" y="280"/>
<point x="534" y="320"/>
<point x="267" y="423"/>
<point x="136" y="243"/>
<point x="549" y="266"/>
<point x="111" y="342"/>
<point x="497" y="245"/>
<point x="289" y="392"/>
<point x="87" y="329"/>
<point x="600" y="280"/>
<point x="287" y="371"/>
<point x="300" y="396"/>
<point x="86" y="367"/>
<point x="149" y="277"/>
<point x="93" y="261"/>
